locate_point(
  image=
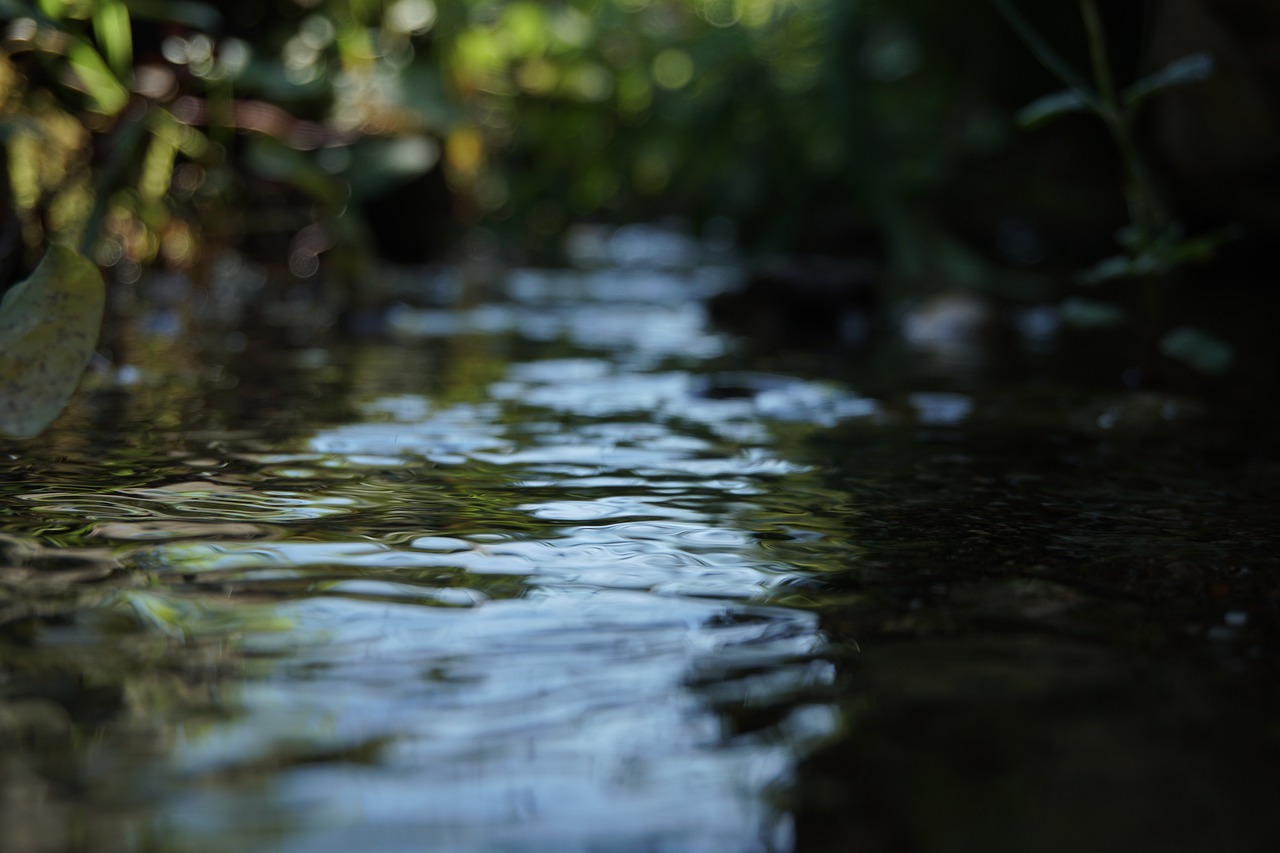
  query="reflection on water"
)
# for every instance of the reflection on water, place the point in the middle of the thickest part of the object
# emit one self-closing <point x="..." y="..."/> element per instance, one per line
<point x="504" y="615"/>
<point x="555" y="573"/>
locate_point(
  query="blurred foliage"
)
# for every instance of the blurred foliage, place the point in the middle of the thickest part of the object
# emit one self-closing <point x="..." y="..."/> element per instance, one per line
<point x="815" y="126"/>
<point x="321" y="134"/>
<point x="148" y="130"/>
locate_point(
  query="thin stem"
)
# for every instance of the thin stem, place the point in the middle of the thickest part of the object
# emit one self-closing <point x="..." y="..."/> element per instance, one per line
<point x="1143" y="206"/>
<point x="1048" y="58"/>
<point x="1102" y="76"/>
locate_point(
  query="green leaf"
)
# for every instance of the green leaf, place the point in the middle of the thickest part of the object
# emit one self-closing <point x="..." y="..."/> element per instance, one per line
<point x="109" y="95"/>
<point x="1091" y="314"/>
<point x="1110" y="269"/>
<point x="182" y="136"/>
<point x="1197" y="348"/>
<point x="48" y="330"/>
<point x="1043" y="110"/>
<point x="51" y="8"/>
<point x="115" y="34"/>
<point x="1180" y="72"/>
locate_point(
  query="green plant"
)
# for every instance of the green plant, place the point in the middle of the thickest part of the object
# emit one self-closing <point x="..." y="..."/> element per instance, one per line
<point x="121" y="129"/>
<point x="48" y="330"/>
<point x="1152" y="245"/>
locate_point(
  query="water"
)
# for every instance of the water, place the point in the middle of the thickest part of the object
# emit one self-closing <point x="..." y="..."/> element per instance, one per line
<point x="464" y="598"/>
<point x="556" y="571"/>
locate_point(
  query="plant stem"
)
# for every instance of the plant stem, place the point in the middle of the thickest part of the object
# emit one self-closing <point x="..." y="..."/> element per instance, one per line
<point x="1142" y="203"/>
<point x="1048" y="58"/>
<point x="1102" y="76"/>
<point x="1144" y="206"/>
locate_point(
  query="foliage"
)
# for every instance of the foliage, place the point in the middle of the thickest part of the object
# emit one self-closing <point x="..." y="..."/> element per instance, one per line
<point x="631" y="109"/>
<point x="136" y="129"/>
<point x="152" y="127"/>
<point x="313" y="132"/>
<point x="48" y="330"/>
<point x="1153" y="244"/>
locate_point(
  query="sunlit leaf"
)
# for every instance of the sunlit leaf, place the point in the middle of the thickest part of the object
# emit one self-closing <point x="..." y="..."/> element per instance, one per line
<point x="1198" y="349"/>
<point x="1180" y="72"/>
<point x="180" y="135"/>
<point x="52" y="8"/>
<point x="101" y="84"/>
<point x="1044" y="110"/>
<point x="115" y="34"/>
<point x="48" y="330"/>
<point x="157" y="168"/>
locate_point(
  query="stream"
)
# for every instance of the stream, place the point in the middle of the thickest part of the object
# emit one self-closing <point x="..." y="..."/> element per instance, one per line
<point x="557" y="564"/>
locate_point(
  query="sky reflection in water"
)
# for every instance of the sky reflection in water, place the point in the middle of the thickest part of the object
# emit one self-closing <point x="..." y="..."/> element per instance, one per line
<point x="505" y="624"/>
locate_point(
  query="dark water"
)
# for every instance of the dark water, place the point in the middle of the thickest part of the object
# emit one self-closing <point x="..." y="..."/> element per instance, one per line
<point x="568" y="569"/>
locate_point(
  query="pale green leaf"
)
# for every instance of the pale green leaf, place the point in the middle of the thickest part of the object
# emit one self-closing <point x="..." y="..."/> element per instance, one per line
<point x="1109" y="269"/>
<point x="48" y="330"/>
<point x="1043" y="110"/>
<point x="1090" y="313"/>
<point x="115" y="33"/>
<point x="1180" y="72"/>
<point x="109" y="96"/>
<point x="1197" y="348"/>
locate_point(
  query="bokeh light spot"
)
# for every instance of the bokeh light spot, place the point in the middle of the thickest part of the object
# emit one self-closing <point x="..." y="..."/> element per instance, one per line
<point x="673" y="68"/>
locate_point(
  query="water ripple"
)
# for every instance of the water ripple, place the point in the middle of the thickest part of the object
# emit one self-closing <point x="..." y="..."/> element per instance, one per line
<point x="517" y="613"/>
<point x="193" y="501"/>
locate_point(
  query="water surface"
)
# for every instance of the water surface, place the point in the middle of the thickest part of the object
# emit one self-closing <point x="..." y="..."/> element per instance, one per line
<point x="567" y="568"/>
